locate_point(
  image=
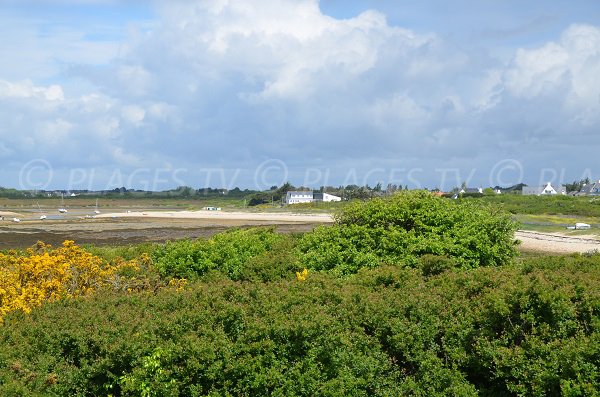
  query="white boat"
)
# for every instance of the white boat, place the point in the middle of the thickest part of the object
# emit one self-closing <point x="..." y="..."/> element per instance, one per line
<point x="43" y="216"/>
<point x="62" y="208"/>
<point x="580" y="226"/>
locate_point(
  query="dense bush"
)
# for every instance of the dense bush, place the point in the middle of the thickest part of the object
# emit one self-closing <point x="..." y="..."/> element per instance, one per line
<point x="529" y="328"/>
<point x="43" y="273"/>
<point x="406" y="226"/>
<point x="228" y="253"/>
<point x="520" y="330"/>
<point x="120" y="252"/>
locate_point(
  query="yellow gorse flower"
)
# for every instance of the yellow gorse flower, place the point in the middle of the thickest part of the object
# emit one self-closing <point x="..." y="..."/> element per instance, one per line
<point x="45" y="274"/>
<point x="301" y="276"/>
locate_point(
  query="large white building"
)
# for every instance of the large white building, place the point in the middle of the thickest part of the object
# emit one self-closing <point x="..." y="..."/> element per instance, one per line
<point x="297" y="197"/>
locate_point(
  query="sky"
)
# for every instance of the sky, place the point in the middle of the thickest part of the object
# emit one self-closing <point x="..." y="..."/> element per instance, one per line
<point x="99" y="94"/>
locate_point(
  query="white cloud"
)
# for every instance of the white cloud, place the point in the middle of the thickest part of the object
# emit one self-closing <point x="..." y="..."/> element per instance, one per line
<point x="52" y="132"/>
<point x="279" y="49"/>
<point x="133" y="114"/>
<point x="567" y="71"/>
<point x="26" y="89"/>
<point x="575" y="58"/>
<point x="537" y="71"/>
<point x="232" y="83"/>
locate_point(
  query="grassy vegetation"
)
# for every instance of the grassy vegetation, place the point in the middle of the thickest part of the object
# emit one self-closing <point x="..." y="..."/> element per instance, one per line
<point x="408" y="296"/>
<point x="123" y="203"/>
<point x="551" y="214"/>
<point x="126" y="252"/>
<point x="545" y="205"/>
<point x="557" y="223"/>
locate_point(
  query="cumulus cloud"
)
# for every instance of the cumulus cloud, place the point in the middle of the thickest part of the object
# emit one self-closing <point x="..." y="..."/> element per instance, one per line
<point x="232" y="83"/>
<point x="27" y="89"/>
<point x="39" y="122"/>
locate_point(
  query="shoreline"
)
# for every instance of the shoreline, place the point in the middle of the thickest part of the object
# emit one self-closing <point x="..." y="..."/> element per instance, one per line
<point x="556" y="243"/>
<point x="246" y="216"/>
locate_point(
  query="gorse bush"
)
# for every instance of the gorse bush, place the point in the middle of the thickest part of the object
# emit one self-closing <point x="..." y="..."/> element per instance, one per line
<point x="406" y="226"/>
<point x="43" y="274"/>
<point x="518" y="330"/>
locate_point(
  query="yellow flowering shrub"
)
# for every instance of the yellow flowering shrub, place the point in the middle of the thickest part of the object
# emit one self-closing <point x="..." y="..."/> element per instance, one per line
<point x="301" y="276"/>
<point x="43" y="274"/>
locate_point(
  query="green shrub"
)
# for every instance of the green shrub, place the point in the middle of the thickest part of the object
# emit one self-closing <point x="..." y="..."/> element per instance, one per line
<point x="406" y="226"/>
<point x="519" y="330"/>
<point x="115" y="253"/>
<point x="432" y="265"/>
<point x="280" y="261"/>
<point x="226" y="252"/>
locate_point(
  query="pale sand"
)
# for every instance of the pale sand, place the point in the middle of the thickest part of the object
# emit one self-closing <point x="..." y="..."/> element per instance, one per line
<point x="556" y="243"/>
<point x="8" y="214"/>
<point x="248" y="216"/>
<point x="530" y="241"/>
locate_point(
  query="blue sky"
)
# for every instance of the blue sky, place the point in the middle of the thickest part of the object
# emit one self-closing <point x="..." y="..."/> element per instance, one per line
<point x="152" y="95"/>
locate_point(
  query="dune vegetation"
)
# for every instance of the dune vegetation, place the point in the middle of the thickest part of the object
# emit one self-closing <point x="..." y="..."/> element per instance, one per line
<point x="408" y="295"/>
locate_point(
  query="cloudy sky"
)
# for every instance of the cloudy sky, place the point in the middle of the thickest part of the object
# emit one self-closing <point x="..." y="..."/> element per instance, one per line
<point x="98" y="94"/>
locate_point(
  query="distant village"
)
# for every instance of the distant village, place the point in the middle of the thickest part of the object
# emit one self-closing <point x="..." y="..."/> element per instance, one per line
<point x="288" y="194"/>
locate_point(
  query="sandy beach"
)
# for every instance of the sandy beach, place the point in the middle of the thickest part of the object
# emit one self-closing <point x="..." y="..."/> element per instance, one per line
<point x="118" y="227"/>
<point x="9" y="214"/>
<point x="556" y="243"/>
<point x="221" y="215"/>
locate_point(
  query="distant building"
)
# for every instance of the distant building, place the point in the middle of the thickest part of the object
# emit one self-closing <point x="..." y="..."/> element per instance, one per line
<point x="471" y="190"/>
<point x="326" y="197"/>
<point x="547" y="190"/>
<point x="591" y="189"/>
<point x="297" y="197"/>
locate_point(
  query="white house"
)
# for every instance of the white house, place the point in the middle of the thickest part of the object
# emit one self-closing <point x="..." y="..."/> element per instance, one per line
<point x="297" y="197"/>
<point x="547" y="190"/>
<point x="326" y="197"/>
